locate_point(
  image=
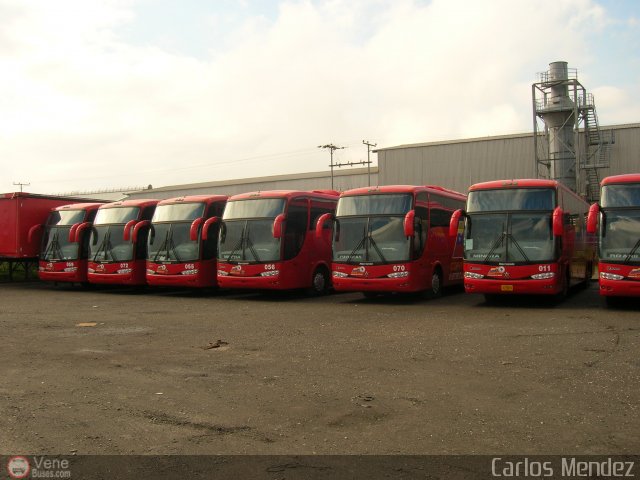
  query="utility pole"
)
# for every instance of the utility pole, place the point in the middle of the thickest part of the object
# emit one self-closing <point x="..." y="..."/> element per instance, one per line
<point x="369" y="145"/>
<point x="21" y="184"/>
<point x="331" y="148"/>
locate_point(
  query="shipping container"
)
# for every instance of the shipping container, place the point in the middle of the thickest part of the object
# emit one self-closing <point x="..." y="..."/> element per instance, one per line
<point x="22" y="219"/>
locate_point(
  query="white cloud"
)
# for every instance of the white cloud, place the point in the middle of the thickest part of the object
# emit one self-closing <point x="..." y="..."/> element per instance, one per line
<point x="81" y="103"/>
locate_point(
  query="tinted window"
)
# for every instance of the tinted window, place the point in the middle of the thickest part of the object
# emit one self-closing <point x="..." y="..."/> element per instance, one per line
<point x="178" y="212"/>
<point x="511" y="199"/>
<point x="258" y="208"/>
<point x="396" y="204"/>
<point x="65" y="217"/>
<point x="295" y="228"/>
<point x="620" y="196"/>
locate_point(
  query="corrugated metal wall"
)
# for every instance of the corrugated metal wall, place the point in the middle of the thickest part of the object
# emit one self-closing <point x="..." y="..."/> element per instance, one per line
<point x="343" y="180"/>
<point x="459" y="164"/>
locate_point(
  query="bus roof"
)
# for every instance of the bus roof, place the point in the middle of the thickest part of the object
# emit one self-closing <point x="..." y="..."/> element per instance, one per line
<point x="516" y="183"/>
<point x="526" y="183"/>
<point x="286" y="194"/>
<point x="194" y="199"/>
<point x="628" y="178"/>
<point x="79" y="206"/>
<point x="142" y="202"/>
<point x="402" y="189"/>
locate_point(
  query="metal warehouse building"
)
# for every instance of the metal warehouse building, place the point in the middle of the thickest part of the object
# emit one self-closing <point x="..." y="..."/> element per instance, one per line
<point x="458" y="164"/>
<point x="453" y="164"/>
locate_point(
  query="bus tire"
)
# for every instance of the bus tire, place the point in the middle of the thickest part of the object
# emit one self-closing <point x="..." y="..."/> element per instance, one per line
<point x="319" y="282"/>
<point x="435" y="291"/>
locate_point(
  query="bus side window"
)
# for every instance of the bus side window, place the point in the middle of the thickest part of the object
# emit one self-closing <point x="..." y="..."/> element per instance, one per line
<point x="439" y="218"/>
<point x="421" y="230"/>
<point x="318" y="208"/>
<point x="141" y="244"/>
<point x="295" y="227"/>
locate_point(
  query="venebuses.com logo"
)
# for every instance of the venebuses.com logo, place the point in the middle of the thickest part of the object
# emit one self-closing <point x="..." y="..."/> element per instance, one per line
<point x="38" y="467"/>
<point x="18" y="467"/>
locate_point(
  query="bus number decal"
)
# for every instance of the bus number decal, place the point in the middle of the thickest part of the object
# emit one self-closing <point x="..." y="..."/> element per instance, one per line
<point x="269" y="266"/>
<point x="544" y="268"/>
<point x="398" y="268"/>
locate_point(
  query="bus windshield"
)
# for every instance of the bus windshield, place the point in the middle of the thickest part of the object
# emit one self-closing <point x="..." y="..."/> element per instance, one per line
<point x="509" y="237"/>
<point x="511" y="199"/>
<point x="56" y="245"/>
<point x="178" y="212"/>
<point x="623" y="195"/>
<point x="620" y="237"/>
<point x="378" y="239"/>
<point x="65" y="217"/>
<point x="394" y="204"/>
<point x="108" y="245"/>
<point x="256" y="208"/>
<point x="170" y="242"/>
<point x="115" y="215"/>
<point x="249" y="240"/>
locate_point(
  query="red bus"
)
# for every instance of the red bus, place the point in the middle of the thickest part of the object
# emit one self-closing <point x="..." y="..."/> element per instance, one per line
<point x="525" y="237"/>
<point x="182" y="242"/>
<point x="267" y="241"/>
<point x="118" y="245"/>
<point x="65" y="243"/>
<point x="396" y="239"/>
<point x="619" y="238"/>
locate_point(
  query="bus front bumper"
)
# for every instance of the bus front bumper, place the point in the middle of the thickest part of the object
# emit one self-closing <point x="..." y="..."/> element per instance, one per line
<point x="352" y="284"/>
<point x="619" y="288"/>
<point x="512" y="287"/>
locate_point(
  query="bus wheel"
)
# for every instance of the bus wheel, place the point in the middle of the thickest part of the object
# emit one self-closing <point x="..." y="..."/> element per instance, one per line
<point x="319" y="282"/>
<point x="436" y="284"/>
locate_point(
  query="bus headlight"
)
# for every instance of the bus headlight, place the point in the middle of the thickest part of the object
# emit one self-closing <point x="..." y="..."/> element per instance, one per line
<point x="71" y="269"/>
<point x="189" y="272"/>
<point x="611" y="276"/>
<point x="475" y="276"/>
<point x="270" y="273"/>
<point x="339" y="274"/>
<point x="543" y="276"/>
<point x="222" y="273"/>
<point x="398" y="275"/>
<point x="150" y="272"/>
<point x="122" y="271"/>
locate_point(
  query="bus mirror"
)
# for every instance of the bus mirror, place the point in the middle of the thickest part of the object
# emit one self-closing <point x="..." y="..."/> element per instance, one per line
<point x="592" y="219"/>
<point x="193" y="231"/>
<point x="79" y="228"/>
<point x="277" y="226"/>
<point x="207" y="224"/>
<point x="126" y="233"/>
<point x="33" y="231"/>
<point x="409" y="226"/>
<point x="72" y="232"/>
<point x="136" y="229"/>
<point x="453" y="223"/>
<point x="558" y="222"/>
<point x="152" y="234"/>
<point x="322" y="219"/>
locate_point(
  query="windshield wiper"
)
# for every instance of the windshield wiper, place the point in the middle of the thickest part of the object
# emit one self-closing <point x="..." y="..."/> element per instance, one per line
<point x="509" y="236"/>
<point x="359" y="245"/>
<point x="50" y="247"/>
<point x="239" y="244"/>
<point x="162" y="247"/>
<point x="102" y="244"/>
<point x="249" y="244"/>
<point x="495" y="245"/>
<point x="375" y="246"/>
<point x="633" y="251"/>
<point x="172" y="247"/>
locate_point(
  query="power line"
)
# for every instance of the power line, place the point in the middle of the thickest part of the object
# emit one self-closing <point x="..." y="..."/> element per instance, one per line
<point x="332" y="148"/>
<point x="21" y="184"/>
<point x="369" y="145"/>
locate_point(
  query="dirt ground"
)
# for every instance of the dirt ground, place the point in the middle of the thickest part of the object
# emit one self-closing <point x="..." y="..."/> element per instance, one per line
<point x="115" y="371"/>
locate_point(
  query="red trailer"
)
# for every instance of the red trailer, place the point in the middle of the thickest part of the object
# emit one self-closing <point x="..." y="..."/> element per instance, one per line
<point x="22" y="219"/>
<point x="65" y="243"/>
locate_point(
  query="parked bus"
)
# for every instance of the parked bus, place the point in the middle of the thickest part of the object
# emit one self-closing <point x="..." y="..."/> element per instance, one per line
<point x="183" y="240"/>
<point x="118" y="245"/>
<point x="396" y="239"/>
<point x="619" y="237"/>
<point x="267" y="241"/>
<point x="65" y="243"/>
<point x="524" y="237"/>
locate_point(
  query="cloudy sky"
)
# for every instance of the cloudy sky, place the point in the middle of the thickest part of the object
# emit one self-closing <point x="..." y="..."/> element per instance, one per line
<point x="113" y="93"/>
